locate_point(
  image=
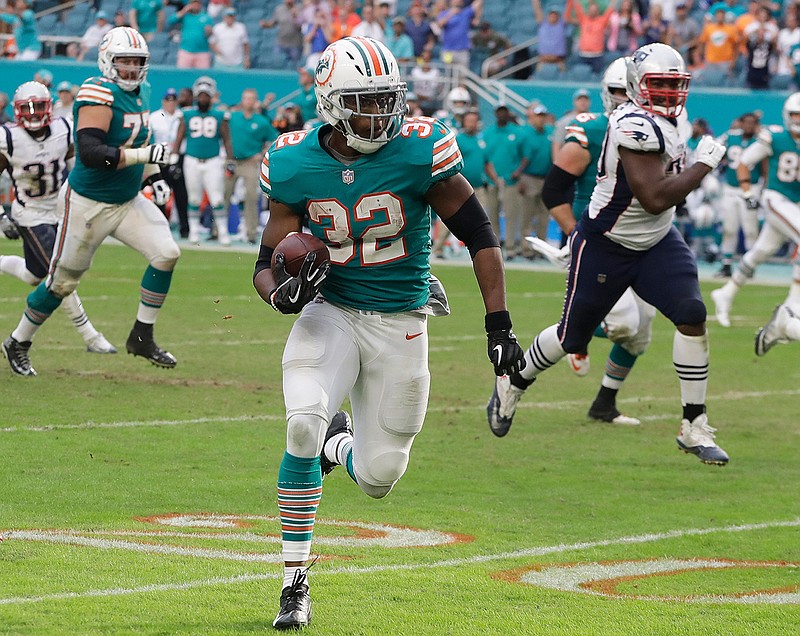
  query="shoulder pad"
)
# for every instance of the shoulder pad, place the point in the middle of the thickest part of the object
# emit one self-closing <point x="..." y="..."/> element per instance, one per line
<point x="576" y="133"/>
<point x="95" y="90"/>
<point x="638" y="131"/>
<point x="282" y="161"/>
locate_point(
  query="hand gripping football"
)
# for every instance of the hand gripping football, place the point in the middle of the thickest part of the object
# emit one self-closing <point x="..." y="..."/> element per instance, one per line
<point x="295" y="247"/>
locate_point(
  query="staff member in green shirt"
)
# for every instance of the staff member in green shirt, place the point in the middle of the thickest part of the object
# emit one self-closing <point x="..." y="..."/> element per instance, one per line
<point x="251" y="135"/>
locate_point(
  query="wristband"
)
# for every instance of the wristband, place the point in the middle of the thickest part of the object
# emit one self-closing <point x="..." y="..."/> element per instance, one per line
<point x="497" y="320"/>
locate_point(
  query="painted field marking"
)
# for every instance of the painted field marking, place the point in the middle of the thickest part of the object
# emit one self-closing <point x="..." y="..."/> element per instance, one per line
<point x="561" y="405"/>
<point x="350" y="569"/>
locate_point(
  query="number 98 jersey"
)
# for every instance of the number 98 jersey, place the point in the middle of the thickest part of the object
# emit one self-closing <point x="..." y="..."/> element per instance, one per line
<point x="128" y="129"/>
<point x="202" y="131"/>
<point x="372" y="214"/>
<point x="37" y="168"/>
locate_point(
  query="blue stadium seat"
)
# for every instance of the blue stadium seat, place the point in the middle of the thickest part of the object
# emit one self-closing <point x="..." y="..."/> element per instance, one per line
<point x="780" y="82"/>
<point x="579" y="73"/>
<point x="547" y="72"/>
<point x="711" y="76"/>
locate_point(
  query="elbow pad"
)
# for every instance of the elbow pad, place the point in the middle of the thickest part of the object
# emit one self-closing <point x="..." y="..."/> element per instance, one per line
<point x="558" y="187"/>
<point x="94" y="152"/>
<point x="471" y="225"/>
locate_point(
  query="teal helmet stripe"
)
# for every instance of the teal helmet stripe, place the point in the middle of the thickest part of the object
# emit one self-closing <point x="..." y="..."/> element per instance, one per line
<point x="364" y="55"/>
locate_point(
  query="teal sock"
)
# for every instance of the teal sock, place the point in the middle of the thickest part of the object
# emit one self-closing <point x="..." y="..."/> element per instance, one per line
<point x="41" y="304"/>
<point x="299" y="493"/>
<point x="618" y="366"/>
<point x="155" y="285"/>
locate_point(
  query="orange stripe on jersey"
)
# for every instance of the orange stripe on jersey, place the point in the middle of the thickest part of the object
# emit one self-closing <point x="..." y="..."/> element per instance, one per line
<point x="446" y="164"/>
<point x="373" y="54"/>
<point x="92" y="95"/>
<point x="443" y="148"/>
<point x="444" y="141"/>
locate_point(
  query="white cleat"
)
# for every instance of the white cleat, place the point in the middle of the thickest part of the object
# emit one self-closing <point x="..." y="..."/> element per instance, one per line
<point x="697" y="437"/>
<point x="98" y="344"/>
<point x="194" y="237"/>
<point x="722" y="307"/>
<point x="579" y="363"/>
<point x="774" y="332"/>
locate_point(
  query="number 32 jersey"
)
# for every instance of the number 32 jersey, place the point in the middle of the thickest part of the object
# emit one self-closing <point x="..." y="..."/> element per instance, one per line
<point x="372" y="214"/>
<point x="37" y="168"/>
<point x="130" y="115"/>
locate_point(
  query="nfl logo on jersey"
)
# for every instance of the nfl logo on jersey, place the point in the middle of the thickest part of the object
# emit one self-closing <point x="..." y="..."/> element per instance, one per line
<point x="348" y="176"/>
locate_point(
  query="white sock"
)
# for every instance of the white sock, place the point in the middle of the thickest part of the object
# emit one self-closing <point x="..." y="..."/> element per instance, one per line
<point x="74" y="309"/>
<point x="15" y="266"/>
<point x="794" y="288"/>
<point x="690" y="357"/>
<point x="545" y="351"/>
<point x="25" y="330"/>
<point x="289" y="574"/>
<point x="335" y="445"/>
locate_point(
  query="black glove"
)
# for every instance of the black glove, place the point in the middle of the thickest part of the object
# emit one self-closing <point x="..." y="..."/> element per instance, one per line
<point x="295" y="292"/>
<point x="504" y="351"/>
<point x="9" y="226"/>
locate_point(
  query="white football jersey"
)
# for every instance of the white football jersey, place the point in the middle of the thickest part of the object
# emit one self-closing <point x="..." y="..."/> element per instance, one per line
<point x="37" y="168"/>
<point x="613" y="210"/>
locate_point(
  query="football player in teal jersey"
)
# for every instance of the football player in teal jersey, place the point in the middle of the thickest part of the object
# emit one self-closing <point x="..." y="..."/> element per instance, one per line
<point x="102" y="198"/>
<point x="366" y="182"/>
<point x="732" y="209"/>
<point x="204" y="128"/>
<point x="628" y="324"/>
<point x="780" y="197"/>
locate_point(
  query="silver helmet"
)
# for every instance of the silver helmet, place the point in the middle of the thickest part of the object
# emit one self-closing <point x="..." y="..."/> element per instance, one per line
<point x="123" y="42"/>
<point x="792" y="107"/>
<point x="616" y="76"/>
<point x="658" y="80"/>
<point x="32" y="106"/>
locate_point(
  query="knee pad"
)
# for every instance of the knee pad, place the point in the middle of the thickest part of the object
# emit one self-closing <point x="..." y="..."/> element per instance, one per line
<point x="691" y="311"/>
<point x="305" y="434"/>
<point x="64" y="282"/>
<point x="168" y="258"/>
<point x="381" y="474"/>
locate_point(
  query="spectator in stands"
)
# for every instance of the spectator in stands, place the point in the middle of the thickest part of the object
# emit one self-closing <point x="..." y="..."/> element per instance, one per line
<point x="196" y="25"/>
<point x="317" y="35"/>
<point x="307" y="100"/>
<point x="764" y="21"/>
<point x="147" y="17"/>
<point x="419" y="29"/>
<point x="581" y="102"/>
<point x="487" y="42"/>
<point x="251" y="135"/>
<point x="746" y="18"/>
<point x="732" y="10"/>
<point x="624" y="29"/>
<point x="427" y="83"/>
<point x="552" y="45"/>
<point x="455" y="23"/>
<point x="94" y="34"/>
<point x="591" y="31"/>
<point x="654" y="27"/>
<point x="345" y="19"/>
<point x="164" y="124"/>
<point x="66" y="98"/>
<point x="43" y="76"/>
<point x="230" y="43"/>
<point x="668" y="9"/>
<point x="760" y="49"/>
<point x="120" y="19"/>
<point x="4" y="116"/>
<point x="309" y="10"/>
<point x="384" y="15"/>
<point x="218" y="7"/>
<point x="289" y="43"/>
<point x="683" y="34"/>
<point x="369" y="26"/>
<point x="288" y="118"/>
<point x="720" y="42"/>
<point x="26" y="35"/>
<point x="536" y="152"/>
<point x="399" y="42"/>
<point x="788" y="36"/>
<point x="412" y="101"/>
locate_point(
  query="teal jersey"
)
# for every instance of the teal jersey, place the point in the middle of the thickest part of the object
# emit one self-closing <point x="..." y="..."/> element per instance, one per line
<point x="505" y="148"/>
<point x="193" y="31"/>
<point x="250" y="134"/>
<point x="784" y="162"/>
<point x="307" y="100"/>
<point x="147" y="14"/>
<point x="130" y="115"/>
<point x="537" y="148"/>
<point x="588" y="130"/>
<point x="736" y="143"/>
<point x="372" y="214"/>
<point x="473" y="151"/>
<point x="202" y="131"/>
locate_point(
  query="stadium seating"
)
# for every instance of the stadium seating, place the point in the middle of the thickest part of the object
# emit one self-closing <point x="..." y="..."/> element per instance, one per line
<point x="547" y="72"/>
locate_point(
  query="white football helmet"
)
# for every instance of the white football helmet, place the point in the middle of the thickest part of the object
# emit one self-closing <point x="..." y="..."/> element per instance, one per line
<point x="118" y="43"/>
<point x="32" y="106"/>
<point x="616" y="76"/>
<point x="792" y="107"/>
<point x="458" y="101"/>
<point x="204" y="84"/>
<point x="657" y="79"/>
<point x="358" y="78"/>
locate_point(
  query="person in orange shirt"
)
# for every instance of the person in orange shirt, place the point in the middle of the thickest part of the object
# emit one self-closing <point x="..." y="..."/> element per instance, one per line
<point x="344" y="19"/>
<point x="592" y="30"/>
<point x="720" y="42"/>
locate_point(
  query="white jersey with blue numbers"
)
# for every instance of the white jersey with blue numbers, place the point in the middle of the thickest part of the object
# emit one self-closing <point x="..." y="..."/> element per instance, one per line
<point x="37" y="170"/>
<point x="613" y="210"/>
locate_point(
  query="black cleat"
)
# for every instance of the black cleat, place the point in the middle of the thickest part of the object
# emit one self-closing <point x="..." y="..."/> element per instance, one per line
<point x="295" y="611"/>
<point x="610" y="414"/>
<point x="143" y="345"/>
<point x="340" y="423"/>
<point x="17" y="355"/>
<point x="724" y="272"/>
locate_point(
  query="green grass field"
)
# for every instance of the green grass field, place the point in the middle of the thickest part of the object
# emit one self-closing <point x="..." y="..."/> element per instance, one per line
<point x="135" y="500"/>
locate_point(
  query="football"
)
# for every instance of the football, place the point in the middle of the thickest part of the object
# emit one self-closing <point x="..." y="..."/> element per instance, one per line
<point x="295" y="246"/>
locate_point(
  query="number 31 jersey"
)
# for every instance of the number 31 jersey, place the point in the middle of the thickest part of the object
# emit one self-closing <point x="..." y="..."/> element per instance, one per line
<point x="130" y="116"/>
<point x="37" y="168"/>
<point x="372" y="214"/>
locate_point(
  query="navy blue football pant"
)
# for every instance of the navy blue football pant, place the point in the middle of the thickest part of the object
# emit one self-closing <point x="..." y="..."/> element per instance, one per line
<point x="601" y="270"/>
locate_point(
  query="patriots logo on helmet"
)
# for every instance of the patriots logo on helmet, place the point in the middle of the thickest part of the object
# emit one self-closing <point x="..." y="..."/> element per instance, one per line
<point x="640" y="56"/>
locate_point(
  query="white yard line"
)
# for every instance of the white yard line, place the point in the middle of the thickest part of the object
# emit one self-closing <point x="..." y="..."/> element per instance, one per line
<point x="481" y="558"/>
<point x="561" y="405"/>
